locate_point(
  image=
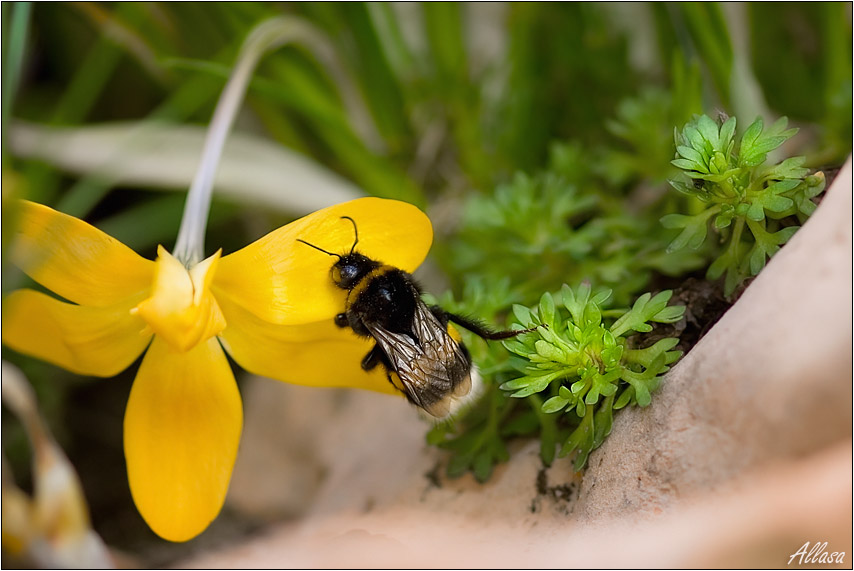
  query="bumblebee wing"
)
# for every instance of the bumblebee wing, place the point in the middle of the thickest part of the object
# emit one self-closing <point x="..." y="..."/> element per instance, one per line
<point x="430" y="364"/>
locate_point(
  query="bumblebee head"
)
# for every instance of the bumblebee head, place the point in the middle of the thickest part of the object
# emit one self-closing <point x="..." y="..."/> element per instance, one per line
<point x="350" y="268"/>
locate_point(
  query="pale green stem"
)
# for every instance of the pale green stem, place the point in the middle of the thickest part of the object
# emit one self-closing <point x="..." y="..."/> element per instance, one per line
<point x="267" y="36"/>
<point x="735" y="240"/>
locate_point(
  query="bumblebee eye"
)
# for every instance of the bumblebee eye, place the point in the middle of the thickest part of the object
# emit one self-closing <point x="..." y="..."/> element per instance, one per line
<point x="349" y="272"/>
<point x="345" y="274"/>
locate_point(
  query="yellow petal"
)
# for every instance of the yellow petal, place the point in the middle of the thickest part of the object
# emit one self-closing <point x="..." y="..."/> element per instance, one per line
<point x="100" y="341"/>
<point x="286" y="282"/>
<point x="318" y="354"/>
<point x="76" y="260"/>
<point x="181" y="308"/>
<point x="182" y="428"/>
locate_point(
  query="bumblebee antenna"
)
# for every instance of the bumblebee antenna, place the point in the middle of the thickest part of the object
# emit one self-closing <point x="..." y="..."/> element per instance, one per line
<point x="355" y="230"/>
<point x="319" y="248"/>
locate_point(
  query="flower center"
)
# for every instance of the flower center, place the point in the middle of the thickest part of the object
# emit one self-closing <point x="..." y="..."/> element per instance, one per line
<point x="182" y="309"/>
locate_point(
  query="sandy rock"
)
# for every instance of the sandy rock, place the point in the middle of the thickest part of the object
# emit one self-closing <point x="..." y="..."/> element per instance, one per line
<point x="278" y="472"/>
<point x="761" y="522"/>
<point x="368" y="454"/>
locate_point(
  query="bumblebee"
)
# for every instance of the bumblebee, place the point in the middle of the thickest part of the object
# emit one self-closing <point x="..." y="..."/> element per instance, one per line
<point x="423" y="355"/>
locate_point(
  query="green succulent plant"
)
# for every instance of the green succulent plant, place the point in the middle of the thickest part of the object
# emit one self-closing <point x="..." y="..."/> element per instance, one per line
<point x="582" y="358"/>
<point x="754" y="207"/>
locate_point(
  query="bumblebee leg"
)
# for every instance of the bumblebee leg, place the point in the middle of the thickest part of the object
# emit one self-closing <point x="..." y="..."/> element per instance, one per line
<point x="375" y="357"/>
<point x="481" y="330"/>
<point x="440" y="314"/>
<point x="372" y="359"/>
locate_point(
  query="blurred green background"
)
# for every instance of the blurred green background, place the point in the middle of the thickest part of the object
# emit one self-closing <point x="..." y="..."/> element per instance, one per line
<point x="471" y="111"/>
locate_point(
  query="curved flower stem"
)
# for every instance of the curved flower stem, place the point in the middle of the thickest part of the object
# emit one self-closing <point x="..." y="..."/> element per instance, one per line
<point x="267" y="36"/>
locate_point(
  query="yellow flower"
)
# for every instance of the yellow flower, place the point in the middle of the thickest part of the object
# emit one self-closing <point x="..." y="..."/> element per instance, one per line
<point x="270" y="306"/>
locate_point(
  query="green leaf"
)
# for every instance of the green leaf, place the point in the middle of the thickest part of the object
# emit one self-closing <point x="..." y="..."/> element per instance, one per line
<point x="576" y="301"/>
<point x="709" y="130"/>
<point x="726" y="133"/>
<point x="695" y="229"/>
<point x="719" y="266"/>
<point x="670" y="314"/>
<point x="547" y="309"/>
<point x="688" y="165"/>
<point x="645" y="309"/>
<point x="750" y="136"/>
<point x="610" y="389"/>
<point x="526" y="386"/>
<point x="777" y="203"/>
<point x="625" y="398"/>
<point x="514" y="384"/>
<point x="645" y="382"/>
<point x="806" y="206"/>
<point x="578" y="386"/>
<point x="550" y="351"/>
<point x="482" y="466"/>
<point x="688" y="189"/>
<point x="697" y="160"/>
<point x="734" y="276"/>
<point x="760" y="151"/>
<point x="601" y="296"/>
<point x="603" y="421"/>
<point x="650" y="356"/>
<point x="580" y="439"/>
<point x="693" y="137"/>
<point x="548" y="434"/>
<point x="642" y="396"/>
<point x="766" y="245"/>
<point x="523" y="315"/>
<point x="672" y="356"/>
<point x="790" y="168"/>
<point x="755" y="210"/>
<point x="782" y="186"/>
<point x="755" y="145"/>
<point x="555" y="404"/>
<point x="253" y="170"/>
<point x="724" y="219"/>
<point x="756" y="258"/>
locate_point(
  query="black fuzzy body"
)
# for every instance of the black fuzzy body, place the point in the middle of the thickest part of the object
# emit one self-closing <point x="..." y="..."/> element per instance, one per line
<point x="413" y="343"/>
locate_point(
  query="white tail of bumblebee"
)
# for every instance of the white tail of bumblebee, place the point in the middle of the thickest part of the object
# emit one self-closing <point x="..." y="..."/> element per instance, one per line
<point x="459" y="402"/>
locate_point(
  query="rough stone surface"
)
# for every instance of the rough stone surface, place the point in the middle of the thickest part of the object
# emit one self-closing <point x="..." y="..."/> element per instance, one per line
<point x="771" y="380"/>
<point x="743" y="457"/>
